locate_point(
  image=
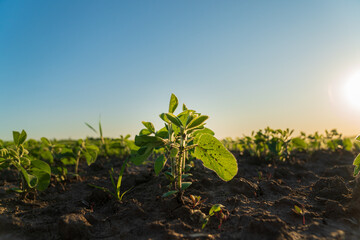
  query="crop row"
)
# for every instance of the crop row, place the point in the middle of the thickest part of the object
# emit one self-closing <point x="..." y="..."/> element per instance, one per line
<point x="174" y="148"/>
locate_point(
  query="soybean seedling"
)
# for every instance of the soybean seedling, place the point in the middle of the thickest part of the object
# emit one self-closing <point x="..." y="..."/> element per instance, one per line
<point x="84" y="150"/>
<point x="300" y="211"/>
<point x="34" y="174"/>
<point x="356" y="162"/>
<point x="196" y="200"/>
<point x="218" y="211"/>
<point x="182" y="135"/>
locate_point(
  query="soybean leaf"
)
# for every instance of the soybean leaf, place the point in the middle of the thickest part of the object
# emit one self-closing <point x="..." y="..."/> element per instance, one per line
<point x="185" y="185"/>
<point x="16" y="136"/>
<point x="356" y="163"/>
<point x="174" y="152"/>
<point x="144" y="140"/>
<point x="43" y="179"/>
<point x="164" y="118"/>
<point x="163" y="133"/>
<point x="41" y="166"/>
<point x="45" y="141"/>
<point x="358" y="137"/>
<point x="174" y="119"/>
<point x="22" y="137"/>
<point x="31" y="180"/>
<point x="299" y="143"/>
<point x="149" y="126"/>
<point x="144" y="131"/>
<point x="216" y="157"/>
<point x="197" y="121"/>
<point x="215" y="208"/>
<point x="169" y="193"/>
<point x="173" y="103"/>
<point x="159" y="164"/>
<point x="142" y="155"/>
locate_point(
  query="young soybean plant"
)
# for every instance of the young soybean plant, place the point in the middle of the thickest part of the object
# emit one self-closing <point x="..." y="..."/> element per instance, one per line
<point x="356" y="162"/>
<point x="34" y="174"/>
<point x="182" y="134"/>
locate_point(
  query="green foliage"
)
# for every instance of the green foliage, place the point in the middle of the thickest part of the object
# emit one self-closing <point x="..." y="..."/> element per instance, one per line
<point x="184" y="135"/>
<point x="34" y="174"/>
<point x="84" y="150"/>
<point x="116" y="193"/>
<point x="277" y="144"/>
<point x="356" y="162"/>
<point x="218" y="211"/>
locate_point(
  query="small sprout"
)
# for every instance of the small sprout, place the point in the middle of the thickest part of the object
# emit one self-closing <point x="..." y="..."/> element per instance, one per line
<point x="219" y="212"/>
<point x="196" y="200"/>
<point x="300" y="211"/>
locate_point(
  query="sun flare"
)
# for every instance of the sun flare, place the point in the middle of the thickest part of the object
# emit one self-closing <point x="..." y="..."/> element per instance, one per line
<point x="351" y="91"/>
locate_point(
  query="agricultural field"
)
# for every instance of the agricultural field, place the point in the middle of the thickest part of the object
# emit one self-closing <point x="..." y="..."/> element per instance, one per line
<point x="180" y="182"/>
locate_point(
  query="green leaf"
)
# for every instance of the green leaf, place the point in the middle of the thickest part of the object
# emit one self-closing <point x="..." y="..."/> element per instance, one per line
<point x="185" y="185"/>
<point x="184" y="107"/>
<point x="199" y="132"/>
<point x="299" y="143"/>
<point x="216" y="157"/>
<point x="215" y="208"/>
<point x="174" y="119"/>
<point x="140" y="157"/>
<point x="144" y="131"/>
<point x="22" y="137"/>
<point x="41" y="166"/>
<point x="197" y="121"/>
<point x="356" y="170"/>
<point x="100" y="129"/>
<point x="144" y="140"/>
<point x="16" y="136"/>
<point x="174" y="152"/>
<point x="169" y="193"/>
<point x="159" y="164"/>
<point x="173" y="103"/>
<point x="357" y="137"/>
<point x="348" y="145"/>
<point x="149" y="126"/>
<point x="43" y="179"/>
<point x="91" y="127"/>
<point x="356" y="163"/>
<point x="164" y="118"/>
<point x="45" y="141"/>
<point x="297" y="210"/>
<point x="163" y="133"/>
<point x="357" y="160"/>
<point x="29" y="179"/>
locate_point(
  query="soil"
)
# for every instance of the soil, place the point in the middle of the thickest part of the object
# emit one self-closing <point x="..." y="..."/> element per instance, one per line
<point x="257" y="208"/>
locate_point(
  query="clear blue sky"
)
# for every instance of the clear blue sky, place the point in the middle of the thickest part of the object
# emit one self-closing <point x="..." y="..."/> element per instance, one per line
<point x="246" y="64"/>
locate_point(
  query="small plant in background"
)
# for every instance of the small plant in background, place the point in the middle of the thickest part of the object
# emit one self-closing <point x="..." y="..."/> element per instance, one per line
<point x="334" y="141"/>
<point x="34" y="174"/>
<point x="59" y="156"/>
<point x="300" y="211"/>
<point x="104" y="146"/>
<point x="83" y="150"/>
<point x="219" y="211"/>
<point x="182" y="135"/>
<point x="116" y="193"/>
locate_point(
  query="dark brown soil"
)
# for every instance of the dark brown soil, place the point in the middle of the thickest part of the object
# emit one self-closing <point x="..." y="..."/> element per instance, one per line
<point x="321" y="182"/>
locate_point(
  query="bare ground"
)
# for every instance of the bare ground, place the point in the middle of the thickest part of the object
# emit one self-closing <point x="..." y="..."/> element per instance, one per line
<point x="321" y="182"/>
